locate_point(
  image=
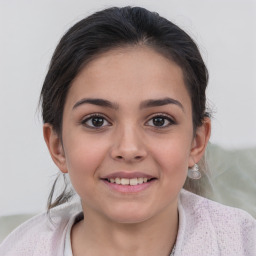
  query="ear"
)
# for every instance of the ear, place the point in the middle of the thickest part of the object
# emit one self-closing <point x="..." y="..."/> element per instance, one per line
<point x="200" y="141"/>
<point x="55" y="147"/>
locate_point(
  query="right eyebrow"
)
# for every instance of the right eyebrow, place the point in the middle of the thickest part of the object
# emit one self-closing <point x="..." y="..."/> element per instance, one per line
<point x="97" y="102"/>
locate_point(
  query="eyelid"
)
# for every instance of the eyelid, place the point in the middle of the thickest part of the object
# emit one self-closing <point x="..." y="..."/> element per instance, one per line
<point x="88" y="117"/>
<point x="171" y="120"/>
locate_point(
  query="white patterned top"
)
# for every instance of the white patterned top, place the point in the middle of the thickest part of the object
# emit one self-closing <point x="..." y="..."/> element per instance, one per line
<point x="205" y="228"/>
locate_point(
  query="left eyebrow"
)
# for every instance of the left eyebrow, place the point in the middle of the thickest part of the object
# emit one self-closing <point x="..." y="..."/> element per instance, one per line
<point x="160" y="102"/>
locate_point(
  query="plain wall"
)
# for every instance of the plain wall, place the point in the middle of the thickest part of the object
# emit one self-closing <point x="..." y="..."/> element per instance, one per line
<point x="225" y="31"/>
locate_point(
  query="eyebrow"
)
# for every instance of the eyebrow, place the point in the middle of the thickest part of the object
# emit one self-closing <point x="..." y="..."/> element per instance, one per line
<point x="160" y="102"/>
<point x="145" y="104"/>
<point x="98" y="102"/>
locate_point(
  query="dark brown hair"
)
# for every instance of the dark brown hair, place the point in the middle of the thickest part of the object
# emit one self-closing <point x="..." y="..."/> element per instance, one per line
<point x="109" y="29"/>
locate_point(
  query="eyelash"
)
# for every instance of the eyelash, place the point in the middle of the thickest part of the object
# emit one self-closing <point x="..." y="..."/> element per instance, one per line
<point x="165" y="117"/>
<point x="101" y="116"/>
<point x="90" y="117"/>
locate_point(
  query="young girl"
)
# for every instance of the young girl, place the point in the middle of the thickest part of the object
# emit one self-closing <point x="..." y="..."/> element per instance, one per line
<point x="124" y="114"/>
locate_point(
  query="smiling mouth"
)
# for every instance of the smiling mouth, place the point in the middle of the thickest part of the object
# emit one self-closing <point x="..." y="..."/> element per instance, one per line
<point x="129" y="182"/>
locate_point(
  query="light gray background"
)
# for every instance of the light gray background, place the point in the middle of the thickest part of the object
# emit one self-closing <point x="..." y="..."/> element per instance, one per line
<point x="225" y="31"/>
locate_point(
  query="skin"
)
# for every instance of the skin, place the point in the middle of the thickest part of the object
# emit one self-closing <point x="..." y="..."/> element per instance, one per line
<point x="127" y="141"/>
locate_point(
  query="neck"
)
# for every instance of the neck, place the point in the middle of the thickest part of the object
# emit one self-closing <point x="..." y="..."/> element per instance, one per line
<point x="155" y="236"/>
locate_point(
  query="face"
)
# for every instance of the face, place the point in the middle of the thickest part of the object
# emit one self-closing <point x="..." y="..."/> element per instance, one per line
<point x="128" y="119"/>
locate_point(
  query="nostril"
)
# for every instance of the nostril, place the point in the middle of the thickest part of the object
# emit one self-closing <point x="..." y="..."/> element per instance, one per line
<point x="136" y="157"/>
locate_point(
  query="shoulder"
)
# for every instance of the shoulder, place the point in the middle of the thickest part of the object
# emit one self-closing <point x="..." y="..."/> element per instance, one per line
<point x="229" y="230"/>
<point x="218" y="213"/>
<point x="42" y="234"/>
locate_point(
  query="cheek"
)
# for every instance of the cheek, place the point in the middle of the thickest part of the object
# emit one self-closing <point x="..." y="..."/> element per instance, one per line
<point x="173" y="150"/>
<point x="173" y="165"/>
<point x="83" y="157"/>
<point x="173" y="172"/>
<point x="172" y="157"/>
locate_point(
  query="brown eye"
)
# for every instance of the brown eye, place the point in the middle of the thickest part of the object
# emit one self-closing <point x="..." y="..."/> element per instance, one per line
<point x="160" y="121"/>
<point x="95" y="121"/>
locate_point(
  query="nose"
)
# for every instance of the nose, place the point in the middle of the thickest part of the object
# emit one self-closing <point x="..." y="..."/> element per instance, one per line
<point x="128" y="145"/>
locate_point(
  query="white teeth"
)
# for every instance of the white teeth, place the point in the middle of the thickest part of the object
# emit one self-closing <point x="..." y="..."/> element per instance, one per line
<point x="117" y="181"/>
<point x="140" y="180"/>
<point x="131" y="182"/>
<point x="125" y="181"/>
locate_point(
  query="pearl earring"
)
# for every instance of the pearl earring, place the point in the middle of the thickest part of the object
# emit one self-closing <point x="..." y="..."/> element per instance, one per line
<point x="193" y="173"/>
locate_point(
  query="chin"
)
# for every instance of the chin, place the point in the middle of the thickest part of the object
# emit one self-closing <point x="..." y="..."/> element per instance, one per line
<point x="130" y="216"/>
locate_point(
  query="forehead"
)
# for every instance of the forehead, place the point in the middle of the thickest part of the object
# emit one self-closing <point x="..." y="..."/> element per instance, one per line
<point x="129" y="74"/>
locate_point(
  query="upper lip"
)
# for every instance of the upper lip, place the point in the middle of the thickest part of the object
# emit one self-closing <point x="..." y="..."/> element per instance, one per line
<point x="127" y="175"/>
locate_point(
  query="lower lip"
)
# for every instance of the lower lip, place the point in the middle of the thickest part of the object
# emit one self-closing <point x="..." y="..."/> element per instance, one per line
<point x="129" y="188"/>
